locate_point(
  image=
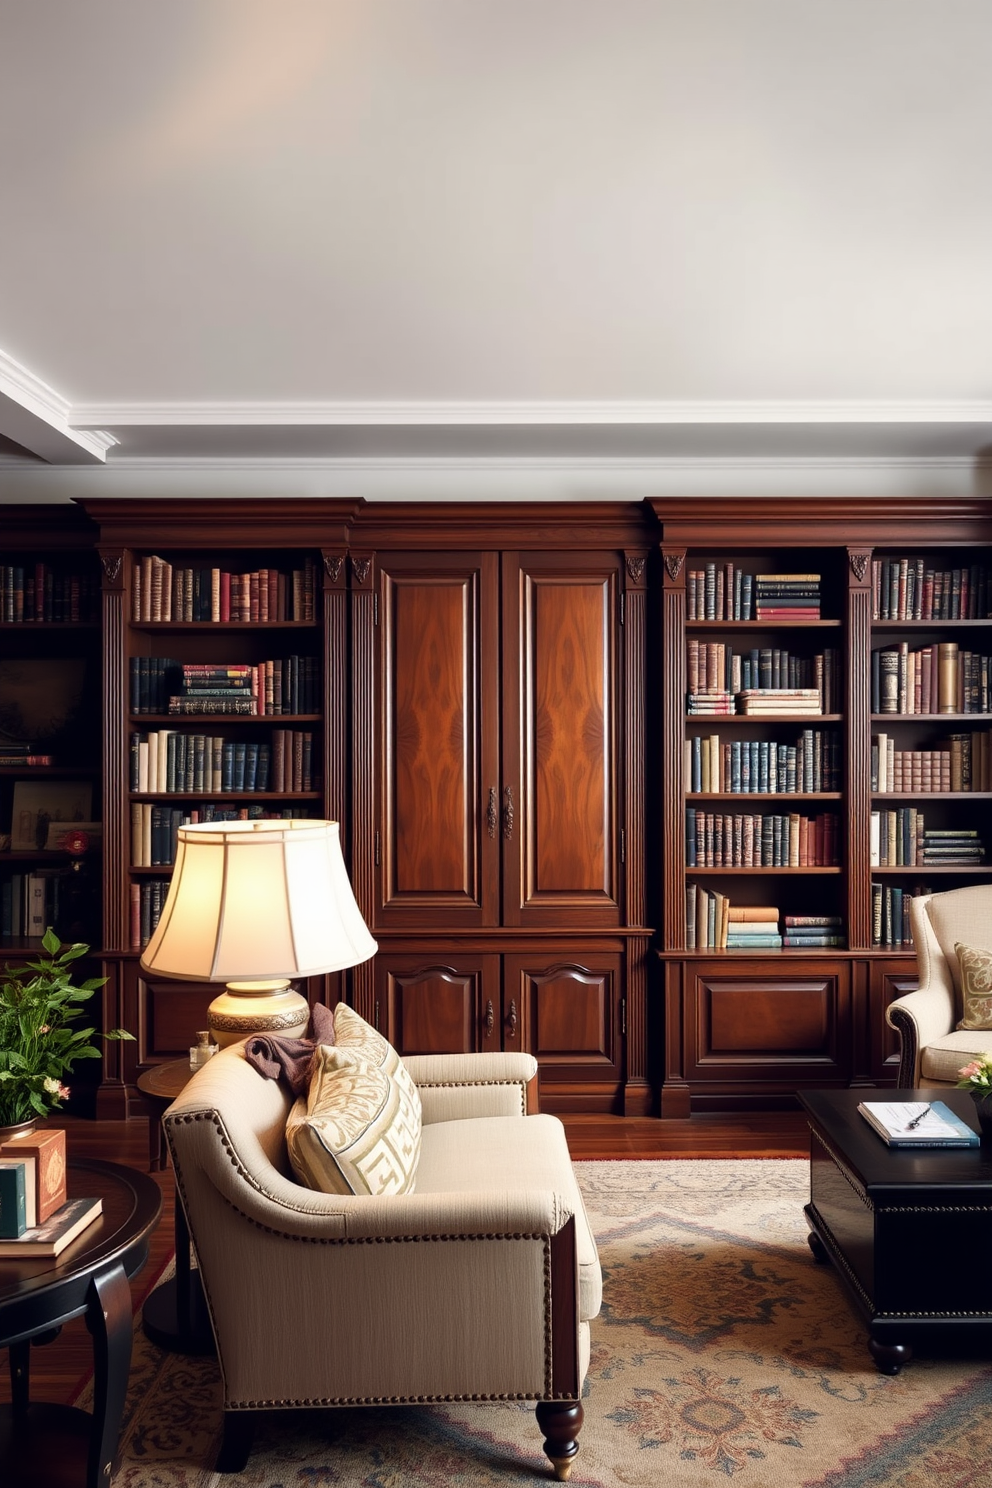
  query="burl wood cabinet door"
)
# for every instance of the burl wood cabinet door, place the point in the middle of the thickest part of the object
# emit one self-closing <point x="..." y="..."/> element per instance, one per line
<point x="560" y="740"/>
<point x="438" y="844"/>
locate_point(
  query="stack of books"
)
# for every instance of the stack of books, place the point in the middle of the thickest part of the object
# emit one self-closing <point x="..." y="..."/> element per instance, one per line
<point x="787" y="596"/>
<point x="808" y="932"/>
<point x="710" y="702"/>
<point x="36" y="1219"/>
<point x="789" y="701"/>
<point x="210" y="688"/>
<point x="952" y="846"/>
<point x="23" y="756"/>
<point x="752" y="927"/>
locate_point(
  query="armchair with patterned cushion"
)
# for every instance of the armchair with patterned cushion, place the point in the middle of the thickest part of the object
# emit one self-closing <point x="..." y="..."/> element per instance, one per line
<point x="947" y="1020"/>
<point x="449" y="1258"/>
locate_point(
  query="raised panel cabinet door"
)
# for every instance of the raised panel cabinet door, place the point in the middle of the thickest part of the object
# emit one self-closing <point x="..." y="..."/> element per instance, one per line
<point x="560" y="740"/>
<point x="431" y="1004"/>
<point x="567" y="1011"/>
<point x="438" y="805"/>
<point x="756" y="1024"/>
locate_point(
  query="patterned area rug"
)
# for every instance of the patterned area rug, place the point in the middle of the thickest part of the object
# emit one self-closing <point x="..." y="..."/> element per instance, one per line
<point x="723" y="1352"/>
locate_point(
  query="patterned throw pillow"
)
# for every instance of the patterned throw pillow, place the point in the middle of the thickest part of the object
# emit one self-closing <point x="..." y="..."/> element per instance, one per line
<point x="976" y="986"/>
<point x="359" y="1130"/>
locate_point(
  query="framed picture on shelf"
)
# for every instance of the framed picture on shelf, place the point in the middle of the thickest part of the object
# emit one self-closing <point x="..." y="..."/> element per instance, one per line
<point x="39" y="803"/>
<point x="40" y="698"/>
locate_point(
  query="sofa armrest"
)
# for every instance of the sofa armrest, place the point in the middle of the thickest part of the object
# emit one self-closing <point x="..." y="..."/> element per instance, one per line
<point x="457" y="1087"/>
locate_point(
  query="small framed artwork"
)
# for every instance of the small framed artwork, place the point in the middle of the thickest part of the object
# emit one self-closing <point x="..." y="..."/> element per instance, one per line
<point x="39" y="803"/>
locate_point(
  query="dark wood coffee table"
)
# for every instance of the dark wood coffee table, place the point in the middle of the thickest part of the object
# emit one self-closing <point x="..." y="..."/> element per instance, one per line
<point x="909" y="1231"/>
<point x="57" y="1444"/>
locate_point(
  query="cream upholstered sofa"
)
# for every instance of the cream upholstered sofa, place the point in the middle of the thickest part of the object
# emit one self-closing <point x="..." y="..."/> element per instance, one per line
<point x="478" y="1285"/>
<point x="933" y="1047"/>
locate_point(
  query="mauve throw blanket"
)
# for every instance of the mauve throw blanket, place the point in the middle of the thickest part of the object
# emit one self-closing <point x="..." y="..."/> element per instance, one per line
<point x="290" y="1058"/>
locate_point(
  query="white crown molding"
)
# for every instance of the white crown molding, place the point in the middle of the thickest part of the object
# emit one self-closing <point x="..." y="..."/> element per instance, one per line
<point x="495" y="479"/>
<point x="231" y="414"/>
<point x="36" y="417"/>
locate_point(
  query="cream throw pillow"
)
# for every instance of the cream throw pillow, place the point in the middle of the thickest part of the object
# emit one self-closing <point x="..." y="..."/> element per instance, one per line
<point x="976" y="986"/>
<point x="359" y="1130"/>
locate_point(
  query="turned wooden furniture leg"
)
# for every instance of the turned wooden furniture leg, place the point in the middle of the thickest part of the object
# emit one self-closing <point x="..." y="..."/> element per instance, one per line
<point x="235" y="1447"/>
<point x="561" y="1422"/>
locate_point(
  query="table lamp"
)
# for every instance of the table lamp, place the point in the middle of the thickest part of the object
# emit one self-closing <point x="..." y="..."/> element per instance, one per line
<point x="256" y="904"/>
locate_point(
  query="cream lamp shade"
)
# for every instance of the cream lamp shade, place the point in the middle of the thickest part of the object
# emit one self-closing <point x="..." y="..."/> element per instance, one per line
<point x="257" y="904"/>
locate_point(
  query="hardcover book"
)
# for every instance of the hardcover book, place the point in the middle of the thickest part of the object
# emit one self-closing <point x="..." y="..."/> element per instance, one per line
<point x="13" y="1205"/>
<point x="50" y="1238"/>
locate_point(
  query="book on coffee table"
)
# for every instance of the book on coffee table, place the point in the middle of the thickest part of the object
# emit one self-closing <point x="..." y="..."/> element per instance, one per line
<point x="918" y="1124"/>
<point x="59" y="1230"/>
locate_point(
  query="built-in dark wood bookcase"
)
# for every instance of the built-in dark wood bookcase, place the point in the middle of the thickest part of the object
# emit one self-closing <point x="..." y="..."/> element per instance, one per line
<point x="178" y="592"/>
<point x="50" y="690"/>
<point x="747" y="1026"/>
<point x="502" y="730"/>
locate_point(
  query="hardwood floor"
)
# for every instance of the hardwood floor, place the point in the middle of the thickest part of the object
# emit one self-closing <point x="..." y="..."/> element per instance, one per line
<point x="59" y="1368"/>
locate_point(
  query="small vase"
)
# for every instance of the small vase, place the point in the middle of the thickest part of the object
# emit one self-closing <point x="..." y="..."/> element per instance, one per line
<point x="18" y="1129"/>
<point x="983" y="1106"/>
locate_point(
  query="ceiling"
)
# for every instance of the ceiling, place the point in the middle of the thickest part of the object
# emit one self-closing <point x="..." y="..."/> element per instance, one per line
<point x="594" y="229"/>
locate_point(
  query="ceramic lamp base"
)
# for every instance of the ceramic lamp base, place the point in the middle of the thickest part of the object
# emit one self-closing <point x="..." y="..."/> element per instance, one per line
<point x="244" y="1008"/>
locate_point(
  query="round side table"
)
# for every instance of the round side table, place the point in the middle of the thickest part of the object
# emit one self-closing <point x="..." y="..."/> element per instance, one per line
<point x="59" y="1444"/>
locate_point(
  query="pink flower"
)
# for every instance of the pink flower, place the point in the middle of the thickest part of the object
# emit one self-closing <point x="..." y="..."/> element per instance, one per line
<point x="969" y="1070"/>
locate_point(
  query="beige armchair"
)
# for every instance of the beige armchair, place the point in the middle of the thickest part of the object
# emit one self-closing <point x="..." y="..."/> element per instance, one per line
<point x="933" y="1047"/>
<point x="479" y="1285"/>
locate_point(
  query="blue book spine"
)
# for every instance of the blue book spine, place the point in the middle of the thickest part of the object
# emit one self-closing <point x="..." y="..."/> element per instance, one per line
<point x="735" y="767"/>
<point x="690" y="836"/>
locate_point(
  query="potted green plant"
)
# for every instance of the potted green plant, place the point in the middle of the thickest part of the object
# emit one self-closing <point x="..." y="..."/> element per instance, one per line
<point x="40" y="1006"/>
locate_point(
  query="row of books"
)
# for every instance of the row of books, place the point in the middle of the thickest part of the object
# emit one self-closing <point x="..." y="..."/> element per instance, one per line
<point x="286" y="685"/>
<point x="146" y="902"/>
<point x="890" y="916"/>
<point x="962" y="762"/>
<point x="713" y="923"/>
<point x="716" y="839"/>
<point x="714" y="666"/>
<point x="28" y="902"/>
<point x="753" y="767"/>
<point x="36" y="1218"/>
<point x="901" y="838"/>
<point x="37" y="593"/>
<point x="167" y="761"/>
<point x="722" y="591"/>
<point x="941" y="678"/>
<point x="161" y="592"/>
<point x="908" y="589"/>
<point x="154" y="829"/>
